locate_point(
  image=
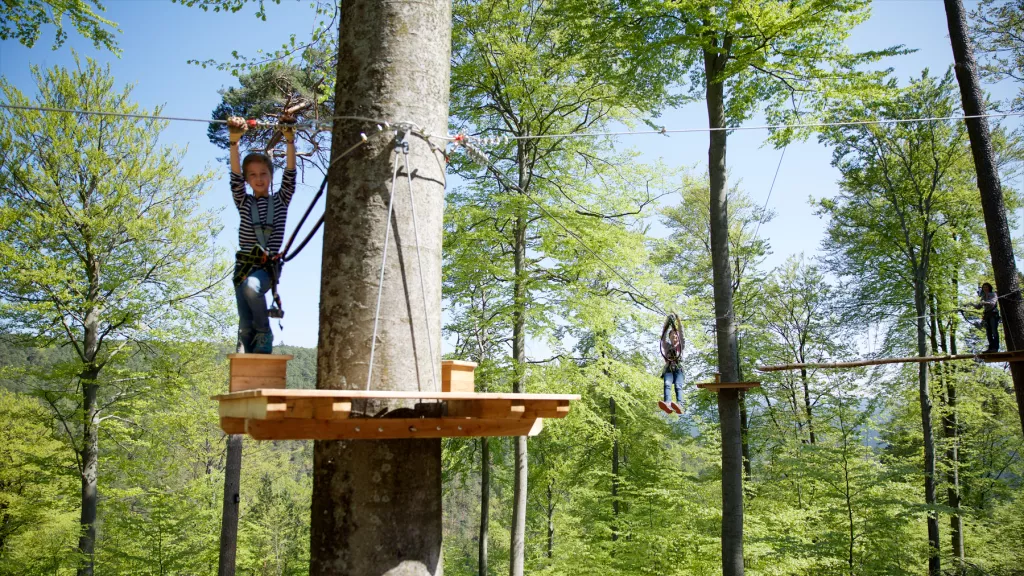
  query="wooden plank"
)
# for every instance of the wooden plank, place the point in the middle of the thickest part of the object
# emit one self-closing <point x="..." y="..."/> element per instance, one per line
<point x="232" y="425"/>
<point x="546" y="409"/>
<point x="262" y="408"/>
<point x="990" y="357"/>
<point x="329" y="409"/>
<point x="484" y="409"/>
<point x="716" y="386"/>
<point x="392" y="395"/>
<point x="389" y="428"/>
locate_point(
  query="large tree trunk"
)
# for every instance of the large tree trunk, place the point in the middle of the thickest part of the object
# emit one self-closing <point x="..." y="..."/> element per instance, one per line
<point x="229" y="511"/>
<point x="517" y="550"/>
<point x="999" y="241"/>
<point x="485" y="503"/>
<point x="376" y="505"/>
<point x="728" y="399"/>
<point x="89" y="456"/>
<point x="934" y="561"/>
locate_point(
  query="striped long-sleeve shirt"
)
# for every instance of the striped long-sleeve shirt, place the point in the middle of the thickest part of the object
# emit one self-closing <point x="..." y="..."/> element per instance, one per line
<point x="283" y="197"/>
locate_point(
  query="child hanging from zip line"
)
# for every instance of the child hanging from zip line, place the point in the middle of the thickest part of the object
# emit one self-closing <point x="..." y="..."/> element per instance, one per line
<point x="672" y="344"/>
<point x="260" y="232"/>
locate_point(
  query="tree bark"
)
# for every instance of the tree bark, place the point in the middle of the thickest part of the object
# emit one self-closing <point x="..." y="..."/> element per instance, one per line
<point x="376" y="506"/>
<point x="744" y="428"/>
<point x="728" y="399"/>
<point x="485" y="503"/>
<point x="229" y="511"/>
<point x="517" y="550"/>
<point x="1004" y="265"/>
<point x="934" y="561"/>
<point x="951" y="432"/>
<point x="615" y="471"/>
<point x="89" y="472"/>
<point x="551" y="519"/>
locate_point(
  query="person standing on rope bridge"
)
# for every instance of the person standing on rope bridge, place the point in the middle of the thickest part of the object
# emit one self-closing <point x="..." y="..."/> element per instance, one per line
<point x="260" y="233"/>
<point x="990" y="316"/>
<point x="672" y="344"/>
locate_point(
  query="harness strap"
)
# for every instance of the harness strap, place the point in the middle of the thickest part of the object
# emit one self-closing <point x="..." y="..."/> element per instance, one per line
<point x="264" y="230"/>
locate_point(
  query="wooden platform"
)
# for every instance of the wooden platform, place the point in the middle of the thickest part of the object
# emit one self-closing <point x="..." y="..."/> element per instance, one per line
<point x="1012" y="356"/>
<point x="278" y="414"/>
<point x="719" y="385"/>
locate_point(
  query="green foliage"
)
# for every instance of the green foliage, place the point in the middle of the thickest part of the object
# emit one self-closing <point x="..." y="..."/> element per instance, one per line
<point x="38" y="519"/>
<point x="98" y="219"/>
<point x="24" y="19"/>
<point x="997" y="30"/>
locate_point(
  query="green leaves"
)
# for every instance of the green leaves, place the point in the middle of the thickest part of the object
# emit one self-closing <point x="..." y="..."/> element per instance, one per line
<point x="23" y="20"/>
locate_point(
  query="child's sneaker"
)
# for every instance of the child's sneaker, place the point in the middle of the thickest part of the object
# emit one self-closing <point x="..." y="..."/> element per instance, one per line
<point x="664" y="407"/>
<point x="678" y="409"/>
<point x="263" y="343"/>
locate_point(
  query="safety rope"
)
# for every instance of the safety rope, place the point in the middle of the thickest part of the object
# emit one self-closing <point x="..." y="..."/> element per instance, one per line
<point x="383" y="264"/>
<point x="435" y="359"/>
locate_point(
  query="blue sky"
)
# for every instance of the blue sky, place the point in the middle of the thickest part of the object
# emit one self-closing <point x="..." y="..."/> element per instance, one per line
<point x="158" y="37"/>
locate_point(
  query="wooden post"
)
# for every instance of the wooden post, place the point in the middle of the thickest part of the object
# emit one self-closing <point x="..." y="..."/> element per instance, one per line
<point x="377" y="503"/>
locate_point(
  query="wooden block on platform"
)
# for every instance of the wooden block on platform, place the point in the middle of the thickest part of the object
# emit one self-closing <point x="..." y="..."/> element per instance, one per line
<point x="255" y="371"/>
<point x="457" y="376"/>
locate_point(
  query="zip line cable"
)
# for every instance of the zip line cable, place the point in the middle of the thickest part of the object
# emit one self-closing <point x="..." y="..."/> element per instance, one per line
<point x="499" y="139"/>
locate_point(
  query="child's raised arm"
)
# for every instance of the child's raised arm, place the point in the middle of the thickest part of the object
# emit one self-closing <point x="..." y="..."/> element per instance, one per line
<point x="236" y="127"/>
<point x="285" y="122"/>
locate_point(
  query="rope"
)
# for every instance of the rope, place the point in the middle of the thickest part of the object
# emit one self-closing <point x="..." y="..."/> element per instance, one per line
<point x="419" y="261"/>
<point x="286" y="255"/>
<point x="383" y="263"/>
<point x="495" y="140"/>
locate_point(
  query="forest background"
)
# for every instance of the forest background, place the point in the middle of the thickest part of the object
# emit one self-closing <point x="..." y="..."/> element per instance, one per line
<point x="834" y="474"/>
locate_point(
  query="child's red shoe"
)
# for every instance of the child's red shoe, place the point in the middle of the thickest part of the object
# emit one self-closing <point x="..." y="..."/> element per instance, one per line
<point x="677" y="408"/>
<point x="665" y="407"/>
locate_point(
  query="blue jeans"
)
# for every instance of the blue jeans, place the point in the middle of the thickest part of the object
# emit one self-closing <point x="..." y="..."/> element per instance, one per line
<point x="251" y="298"/>
<point x="991" y="322"/>
<point x="673" y="379"/>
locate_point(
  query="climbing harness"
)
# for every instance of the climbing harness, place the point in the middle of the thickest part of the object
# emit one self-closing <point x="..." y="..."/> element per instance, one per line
<point x="672" y="324"/>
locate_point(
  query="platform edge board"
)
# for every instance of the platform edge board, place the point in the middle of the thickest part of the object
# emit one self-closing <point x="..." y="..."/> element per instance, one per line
<point x="388" y="428"/>
<point x="389" y="395"/>
<point x="715" y="386"/>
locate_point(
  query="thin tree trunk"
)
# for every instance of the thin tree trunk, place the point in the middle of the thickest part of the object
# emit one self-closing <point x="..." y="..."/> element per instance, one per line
<point x="376" y="506"/>
<point x="485" y="503"/>
<point x="934" y="561"/>
<point x="551" y="519"/>
<point x="728" y="399"/>
<point x="229" y="511"/>
<point x="804" y="381"/>
<point x="951" y="432"/>
<point x="744" y="429"/>
<point x="615" y="471"/>
<point x="517" y="551"/>
<point x="232" y="499"/>
<point x="90" y="468"/>
<point x="1004" y="265"/>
